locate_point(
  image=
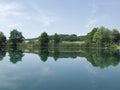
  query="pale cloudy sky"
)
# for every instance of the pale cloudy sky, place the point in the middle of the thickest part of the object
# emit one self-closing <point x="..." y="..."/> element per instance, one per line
<point x="32" y="17"/>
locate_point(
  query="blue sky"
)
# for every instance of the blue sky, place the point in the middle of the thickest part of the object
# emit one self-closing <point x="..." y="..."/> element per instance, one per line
<point x="32" y="17"/>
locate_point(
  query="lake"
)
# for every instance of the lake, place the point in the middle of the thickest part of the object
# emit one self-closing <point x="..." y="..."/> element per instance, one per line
<point x="59" y="70"/>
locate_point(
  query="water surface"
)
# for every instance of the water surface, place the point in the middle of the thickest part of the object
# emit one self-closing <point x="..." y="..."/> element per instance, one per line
<point x="43" y="70"/>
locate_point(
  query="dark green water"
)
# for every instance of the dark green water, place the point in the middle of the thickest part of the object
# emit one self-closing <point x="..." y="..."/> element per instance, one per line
<point x="43" y="70"/>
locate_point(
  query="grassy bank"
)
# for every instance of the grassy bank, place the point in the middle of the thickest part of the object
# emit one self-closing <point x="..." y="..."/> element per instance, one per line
<point x="64" y="45"/>
<point x="118" y="47"/>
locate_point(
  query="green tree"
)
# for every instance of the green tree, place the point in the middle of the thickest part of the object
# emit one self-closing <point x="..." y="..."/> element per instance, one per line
<point x="16" y="37"/>
<point x="116" y="35"/>
<point x="89" y="37"/>
<point x="56" y="38"/>
<point x="44" y="40"/>
<point x="103" y="37"/>
<point x="73" y="37"/>
<point x="2" y="39"/>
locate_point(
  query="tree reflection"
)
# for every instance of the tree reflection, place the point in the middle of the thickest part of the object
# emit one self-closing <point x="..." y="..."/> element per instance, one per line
<point x="56" y="54"/>
<point x="15" y="55"/>
<point x="43" y="53"/>
<point x="98" y="58"/>
<point x="102" y="58"/>
<point x="2" y="52"/>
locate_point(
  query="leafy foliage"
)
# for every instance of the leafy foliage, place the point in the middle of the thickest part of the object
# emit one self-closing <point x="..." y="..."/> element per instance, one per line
<point x="102" y="37"/>
<point x="44" y="39"/>
<point x="56" y="38"/>
<point x="67" y="37"/>
<point x="89" y="37"/>
<point x="116" y="35"/>
<point x="16" y="37"/>
<point x="2" y="39"/>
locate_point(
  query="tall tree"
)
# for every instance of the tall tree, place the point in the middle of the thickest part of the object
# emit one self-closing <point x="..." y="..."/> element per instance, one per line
<point x="16" y="37"/>
<point x="44" y="40"/>
<point x="103" y="37"/>
<point x="56" y="38"/>
<point x="115" y="34"/>
<point x="2" y="39"/>
<point x="90" y="36"/>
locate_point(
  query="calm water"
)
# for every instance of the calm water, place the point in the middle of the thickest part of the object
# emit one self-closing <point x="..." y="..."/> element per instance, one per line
<point x="43" y="70"/>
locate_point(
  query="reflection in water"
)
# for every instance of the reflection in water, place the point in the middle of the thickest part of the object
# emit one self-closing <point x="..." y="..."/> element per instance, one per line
<point x="56" y="54"/>
<point x="98" y="58"/>
<point x="2" y="53"/>
<point x="15" y="55"/>
<point x="64" y="74"/>
<point x="43" y="53"/>
<point x="102" y="58"/>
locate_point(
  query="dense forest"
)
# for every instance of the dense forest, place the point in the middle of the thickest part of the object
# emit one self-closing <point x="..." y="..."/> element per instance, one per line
<point x="99" y="37"/>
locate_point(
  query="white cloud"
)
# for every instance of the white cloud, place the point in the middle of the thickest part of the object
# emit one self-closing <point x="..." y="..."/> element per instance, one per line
<point x="93" y="10"/>
<point x="10" y="26"/>
<point x="47" y="20"/>
<point x="16" y="15"/>
<point x="8" y="13"/>
<point x="11" y="12"/>
<point x="8" y="9"/>
<point x="44" y="17"/>
<point x="92" y="20"/>
<point x="92" y="23"/>
<point x="95" y="19"/>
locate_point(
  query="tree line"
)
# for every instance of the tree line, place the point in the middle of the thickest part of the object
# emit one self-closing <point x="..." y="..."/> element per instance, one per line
<point x="98" y="37"/>
<point x="103" y="37"/>
<point x="71" y="38"/>
<point x="16" y="37"/>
